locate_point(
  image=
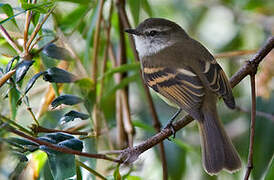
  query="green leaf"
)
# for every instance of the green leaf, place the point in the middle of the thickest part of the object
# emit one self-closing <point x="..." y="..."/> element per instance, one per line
<point x="121" y="85"/>
<point x="56" y="52"/>
<point x="58" y="136"/>
<point x="143" y="126"/>
<point x="22" y="69"/>
<point x="122" y="68"/>
<point x="62" y="165"/>
<point x="116" y="174"/>
<point x="270" y="170"/>
<point x="133" y="178"/>
<point x="134" y="6"/>
<point x="147" y="8"/>
<point x="78" y="1"/>
<point x="73" y="18"/>
<point x="93" y="19"/>
<point x="42" y="8"/>
<point x="67" y="100"/>
<point x="58" y="75"/>
<point x="8" y="11"/>
<point x="71" y="115"/>
<point x="74" y="144"/>
<point x="14" y="96"/>
<point x="32" y="81"/>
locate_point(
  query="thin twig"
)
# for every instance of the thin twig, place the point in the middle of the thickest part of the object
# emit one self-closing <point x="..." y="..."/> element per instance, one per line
<point x="252" y="128"/>
<point x="41" y="49"/>
<point x="258" y="113"/>
<point x="96" y="42"/>
<point x="6" y="77"/>
<point x="9" y="39"/>
<point x="235" y="53"/>
<point x="60" y="149"/>
<point x="36" y="30"/>
<point x="90" y="170"/>
<point x="33" y="116"/>
<point x="39" y="129"/>
<point x="26" y="31"/>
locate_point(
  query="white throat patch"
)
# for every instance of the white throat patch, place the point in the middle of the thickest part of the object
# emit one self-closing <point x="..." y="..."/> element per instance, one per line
<point x="148" y="47"/>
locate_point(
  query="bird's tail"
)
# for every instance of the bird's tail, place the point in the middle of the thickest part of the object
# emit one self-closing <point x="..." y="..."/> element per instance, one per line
<point x="218" y="151"/>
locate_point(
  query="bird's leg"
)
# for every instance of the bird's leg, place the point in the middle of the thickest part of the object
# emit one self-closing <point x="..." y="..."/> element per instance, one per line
<point x="169" y="124"/>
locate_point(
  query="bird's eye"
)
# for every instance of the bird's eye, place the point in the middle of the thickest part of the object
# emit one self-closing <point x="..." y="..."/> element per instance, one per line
<point x="153" y="33"/>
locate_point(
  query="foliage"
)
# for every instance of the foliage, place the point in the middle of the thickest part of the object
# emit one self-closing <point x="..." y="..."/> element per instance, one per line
<point x="91" y="98"/>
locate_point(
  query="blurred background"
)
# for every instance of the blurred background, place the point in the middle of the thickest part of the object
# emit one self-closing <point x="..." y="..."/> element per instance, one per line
<point x="115" y="98"/>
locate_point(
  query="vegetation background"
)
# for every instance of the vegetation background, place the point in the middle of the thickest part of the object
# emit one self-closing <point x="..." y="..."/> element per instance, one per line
<point x="93" y="47"/>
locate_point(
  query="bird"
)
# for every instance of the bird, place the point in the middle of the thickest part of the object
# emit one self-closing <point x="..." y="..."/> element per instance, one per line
<point x="185" y="73"/>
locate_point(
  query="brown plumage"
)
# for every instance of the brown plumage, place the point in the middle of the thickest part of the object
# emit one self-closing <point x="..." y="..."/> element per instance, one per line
<point x="184" y="72"/>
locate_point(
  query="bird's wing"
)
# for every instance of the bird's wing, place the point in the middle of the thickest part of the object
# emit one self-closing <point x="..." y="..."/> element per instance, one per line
<point x="181" y="86"/>
<point x="215" y="79"/>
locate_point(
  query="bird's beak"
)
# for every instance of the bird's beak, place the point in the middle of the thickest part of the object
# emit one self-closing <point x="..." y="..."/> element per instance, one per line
<point x="133" y="31"/>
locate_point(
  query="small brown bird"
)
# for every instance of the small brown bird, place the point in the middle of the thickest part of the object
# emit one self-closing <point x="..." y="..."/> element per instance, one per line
<point x="184" y="72"/>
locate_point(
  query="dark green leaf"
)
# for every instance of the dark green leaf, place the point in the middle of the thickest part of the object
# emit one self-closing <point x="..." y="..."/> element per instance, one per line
<point x="47" y="139"/>
<point x="74" y="144"/>
<point x="66" y="99"/>
<point x="59" y="136"/>
<point x="116" y="173"/>
<point x="9" y="12"/>
<point x="32" y="81"/>
<point x="71" y="115"/>
<point x="35" y="18"/>
<point x="58" y="75"/>
<point x="22" y="141"/>
<point x="22" y="69"/>
<point x="9" y="65"/>
<point x="56" y="52"/>
<point x="62" y="165"/>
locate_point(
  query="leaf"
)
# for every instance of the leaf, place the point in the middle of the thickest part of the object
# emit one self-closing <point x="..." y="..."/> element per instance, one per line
<point x="270" y="171"/>
<point x="143" y="126"/>
<point x="135" y="10"/>
<point x="58" y="75"/>
<point x="74" y="144"/>
<point x="22" y="69"/>
<point x="78" y="1"/>
<point x="9" y="65"/>
<point x="116" y="173"/>
<point x="147" y="8"/>
<point x="121" y="85"/>
<point x="122" y="68"/>
<point x="67" y="100"/>
<point x="8" y="11"/>
<point x="62" y="165"/>
<point x="74" y="18"/>
<point x="22" y="141"/>
<point x="58" y="136"/>
<point x="14" y="96"/>
<point x="47" y="139"/>
<point x="43" y="7"/>
<point x="56" y="52"/>
<point x="71" y="115"/>
<point x="32" y="81"/>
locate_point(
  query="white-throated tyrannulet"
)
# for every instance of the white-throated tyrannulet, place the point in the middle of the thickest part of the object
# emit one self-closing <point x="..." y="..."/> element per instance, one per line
<point x="184" y="72"/>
